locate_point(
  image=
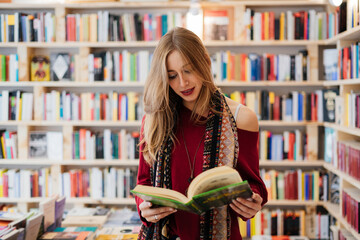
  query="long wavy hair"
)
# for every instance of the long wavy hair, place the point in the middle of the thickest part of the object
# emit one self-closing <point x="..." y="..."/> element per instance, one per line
<point x="160" y="101"/>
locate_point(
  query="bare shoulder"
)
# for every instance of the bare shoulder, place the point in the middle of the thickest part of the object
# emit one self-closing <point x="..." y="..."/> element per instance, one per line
<point x="246" y="118"/>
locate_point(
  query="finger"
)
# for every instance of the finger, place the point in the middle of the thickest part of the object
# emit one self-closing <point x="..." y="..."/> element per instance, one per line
<point x="257" y="198"/>
<point x="249" y="203"/>
<point x="148" y="213"/>
<point x="244" y="208"/>
<point x="145" y="205"/>
<point x="165" y="214"/>
<point x="157" y="217"/>
<point x="239" y="211"/>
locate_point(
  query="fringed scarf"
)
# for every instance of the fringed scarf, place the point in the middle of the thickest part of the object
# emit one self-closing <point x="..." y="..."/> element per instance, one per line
<point x="220" y="148"/>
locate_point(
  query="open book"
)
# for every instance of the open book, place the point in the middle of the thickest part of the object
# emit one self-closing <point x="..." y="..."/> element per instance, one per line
<point x="213" y="188"/>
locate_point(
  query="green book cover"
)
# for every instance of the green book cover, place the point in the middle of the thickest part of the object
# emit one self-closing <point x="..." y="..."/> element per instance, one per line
<point x="77" y="144"/>
<point x="3" y="68"/>
<point x="75" y="229"/>
<point x="213" y="188"/>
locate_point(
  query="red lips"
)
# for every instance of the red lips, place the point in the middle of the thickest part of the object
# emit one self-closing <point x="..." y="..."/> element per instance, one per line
<point x="188" y="91"/>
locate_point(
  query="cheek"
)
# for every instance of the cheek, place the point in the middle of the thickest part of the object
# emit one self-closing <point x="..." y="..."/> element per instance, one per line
<point x="172" y="84"/>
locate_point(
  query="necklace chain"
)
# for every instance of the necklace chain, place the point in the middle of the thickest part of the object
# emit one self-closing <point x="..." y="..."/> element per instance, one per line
<point x="192" y="166"/>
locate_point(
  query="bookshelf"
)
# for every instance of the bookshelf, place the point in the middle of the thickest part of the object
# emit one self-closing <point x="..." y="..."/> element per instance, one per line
<point x="237" y="44"/>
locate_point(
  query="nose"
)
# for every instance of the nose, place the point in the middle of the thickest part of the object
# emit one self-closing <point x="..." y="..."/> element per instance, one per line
<point x="183" y="80"/>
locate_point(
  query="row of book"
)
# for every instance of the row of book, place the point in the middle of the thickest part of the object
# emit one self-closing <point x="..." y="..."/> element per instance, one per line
<point x="119" y="66"/>
<point x="16" y="105"/>
<point x="290" y="145"/>
<point x="104" y="26"/>
<point x="348" y="62"/>
<point x="106" y="145"/>
<point x="25" y="183"/>
<point x="348" y="157"/>
<point x="125" y="66"/>
<point x="277" y="222"/>
<point x="24" y="27"/>
<point x="353" y="14"/>
<point x="8" y="144"/>
<point x="296" y="185"/>
<point x="112" y="106"/>
<point x="343" y="155"/>
<point x="289" y="25"/>
<point x="295" y="106"/>
<point x="350" y="208"/>
<point x="9" y="67"/>
<point x="350" y="108"/>
<point x="228" y="66"/>
<point x="46" y="145"/>
<point x="98" y="183"/>
<point x="33" y="224"/>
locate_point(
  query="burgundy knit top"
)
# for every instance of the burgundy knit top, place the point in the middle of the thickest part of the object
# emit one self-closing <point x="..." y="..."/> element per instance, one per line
<point x="187" y="225"/>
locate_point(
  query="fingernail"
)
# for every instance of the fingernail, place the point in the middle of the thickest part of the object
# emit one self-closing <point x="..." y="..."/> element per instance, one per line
<point x="249" y="199"/>
<point x="149" y="204"/>
<point x="171" y="209"/>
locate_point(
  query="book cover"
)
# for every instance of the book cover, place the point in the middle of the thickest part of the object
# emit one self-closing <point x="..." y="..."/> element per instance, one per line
<point x="60" y="67"/>
<point x="68" y="235"/>
<point x="329" y="96"/>
<point x="40" y="68"/>
<point x="216" y="24"/>
<point x="33" y="226"/>
<point x="213" y="188"/>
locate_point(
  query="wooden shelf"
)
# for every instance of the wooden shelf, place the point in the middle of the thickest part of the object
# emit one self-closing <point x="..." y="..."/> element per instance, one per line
<point x="263" y="123"/>
<point x="73" y="123"/>
<point x="41" y="6"/>
<point x="344" y="176"/>
<point x="284" y="3"/>
<point x="114" y="201"/>
<point x="239" y="83"/>
<point x="292" y="203"/>
<point x="235" y="83"/>
<point x="349" y="35"/>
<point x="67" y="84"/>
<point x="152" y="44"/>
<point x="240" y="43"/>
<point x="123" y="163"/>
<point x="33" y="162"/>
<point x="342" y="82"/>
<point x="159" y="4"/>
<point x="348" y="130"/>
<point x="287" y="163"/>
<point x="21" y="200"/>
<point x="334" y="210"/>
<point x="127" y="5"/>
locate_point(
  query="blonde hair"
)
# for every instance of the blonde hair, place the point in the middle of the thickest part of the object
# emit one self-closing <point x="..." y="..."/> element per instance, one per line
<point x="160" y="101"/>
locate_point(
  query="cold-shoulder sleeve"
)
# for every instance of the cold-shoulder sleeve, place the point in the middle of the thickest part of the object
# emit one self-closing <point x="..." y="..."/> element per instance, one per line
<point x="248" y="162"/>
<point x="143" y="177"/>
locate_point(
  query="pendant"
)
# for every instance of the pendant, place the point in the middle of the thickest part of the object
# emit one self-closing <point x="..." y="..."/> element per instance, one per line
<point x="190" y="179"/>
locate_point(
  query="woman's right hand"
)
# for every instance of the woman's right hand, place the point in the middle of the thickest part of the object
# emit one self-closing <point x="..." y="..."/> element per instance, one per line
<point x="154" y="214"/>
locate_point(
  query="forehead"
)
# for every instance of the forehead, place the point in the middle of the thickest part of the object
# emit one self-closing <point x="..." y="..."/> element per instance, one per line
<point x="175" y="61"/>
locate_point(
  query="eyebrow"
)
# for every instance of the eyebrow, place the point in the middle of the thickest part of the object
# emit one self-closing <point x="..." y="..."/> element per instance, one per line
<point x="169" y="70"/>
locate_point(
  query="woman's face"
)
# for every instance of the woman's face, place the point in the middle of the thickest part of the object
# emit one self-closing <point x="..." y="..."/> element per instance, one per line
<point x="182" y="79"/>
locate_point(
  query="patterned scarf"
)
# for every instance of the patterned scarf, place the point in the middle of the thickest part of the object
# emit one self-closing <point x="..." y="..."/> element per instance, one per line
<point x="220" y="148"/>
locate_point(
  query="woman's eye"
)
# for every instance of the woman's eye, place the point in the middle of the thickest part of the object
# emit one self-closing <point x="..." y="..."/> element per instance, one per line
<point x="187" y="71"/>
<point x="172" y="76"/>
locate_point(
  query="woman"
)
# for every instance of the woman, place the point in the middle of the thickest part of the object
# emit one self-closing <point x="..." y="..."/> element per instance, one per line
<point x="189" y="127"/>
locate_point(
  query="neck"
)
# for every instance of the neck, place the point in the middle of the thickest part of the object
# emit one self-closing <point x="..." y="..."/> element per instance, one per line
<point x="191" y="106"/>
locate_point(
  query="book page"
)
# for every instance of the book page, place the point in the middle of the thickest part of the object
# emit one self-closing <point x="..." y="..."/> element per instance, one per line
<point x="161" y="192"/>
<point x="212" y="179"/>
<point x="47" y="207"/>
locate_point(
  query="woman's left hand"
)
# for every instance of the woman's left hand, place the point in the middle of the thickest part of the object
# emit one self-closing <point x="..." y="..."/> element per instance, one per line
<point x="247" y="207"/>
